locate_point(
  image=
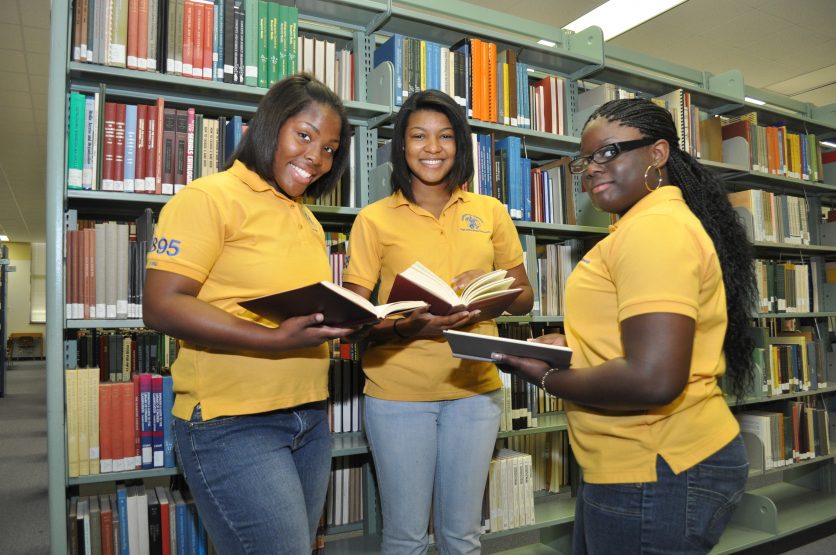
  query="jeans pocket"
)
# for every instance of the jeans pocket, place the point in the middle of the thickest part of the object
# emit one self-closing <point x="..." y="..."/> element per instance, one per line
<point x="715" y="488"/>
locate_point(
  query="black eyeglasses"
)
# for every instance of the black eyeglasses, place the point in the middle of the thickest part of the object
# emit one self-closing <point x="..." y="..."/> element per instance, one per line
<point x="607" y="153"/>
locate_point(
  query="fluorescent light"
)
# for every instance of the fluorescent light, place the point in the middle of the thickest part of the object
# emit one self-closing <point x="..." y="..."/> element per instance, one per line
<point x="548" y="43"/>
<point x="754" y="101"/>
<point x="827" y="143"/>
<point x="617" y="16"/>
<point x="4" y="237"/>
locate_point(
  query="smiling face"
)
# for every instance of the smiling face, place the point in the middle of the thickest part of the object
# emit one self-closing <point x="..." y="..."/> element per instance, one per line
<point x="429" y="147"/>
<point x="305" y="148"/>
<point x="619" y="184"/>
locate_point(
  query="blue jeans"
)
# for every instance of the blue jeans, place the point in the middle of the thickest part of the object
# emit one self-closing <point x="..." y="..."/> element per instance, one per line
<point x="433" y="452"/>
<point x="259" y="480"/>
<point x="682" y="514"/>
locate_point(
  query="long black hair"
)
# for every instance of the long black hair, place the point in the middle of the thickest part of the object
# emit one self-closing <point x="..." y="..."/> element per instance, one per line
<point x="707" y="198"/>
<point x="282" y="101"/>
<point x="434" y="101"/>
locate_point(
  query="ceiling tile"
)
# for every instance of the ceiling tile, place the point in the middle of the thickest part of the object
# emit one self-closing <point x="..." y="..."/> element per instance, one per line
<point x="10" y="37"/>
<point x="807" y="81"/>
<point x="17" y="99"/>
<point x="13" y="115"/>
<point x="815" y="15"/>
<point x="12" y="60"/>
<point x="39" y="83"/>
<point x="36" y="40"/>
<point x="17" y="82"/>
<point x="38" y="64"/>
<point x="9" y="13"/>
<point x="35" y="13"/>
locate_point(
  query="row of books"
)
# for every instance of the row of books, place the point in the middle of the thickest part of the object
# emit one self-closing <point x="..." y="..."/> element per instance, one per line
<point x="249" y="42"/>
<point x="791" y="361"/>
<point x="775" y="218"/>
<point x="555" y="261"/>
<point x="105" y="265"/>
<point x="787" y="286"/>
<point x="492" y="86"/>
<point x="510" y="491"/>
<point x="549" y="456"/>
<point x="344" y="503"/>
<point x="113" y="427"/>
<point x="788" y="432"/>
<point x="136" y="519"/>
<point x="120" y="353"/>
<point x="141" y="148"/>
<point x="772" y="149"/>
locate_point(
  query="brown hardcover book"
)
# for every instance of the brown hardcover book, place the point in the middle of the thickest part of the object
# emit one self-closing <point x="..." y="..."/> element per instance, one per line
<point x="119" y="149"/>
<point x="339" y="305"/>
<point x="158" y="171"/>
<point x="108" y="145"/>
<point x="181" y="139"/>
<point x="420" y="283"/>
<point x="141" y="150"/>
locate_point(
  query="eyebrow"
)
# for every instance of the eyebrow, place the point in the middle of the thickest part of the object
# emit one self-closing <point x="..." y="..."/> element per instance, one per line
<point x="418" y="127"/>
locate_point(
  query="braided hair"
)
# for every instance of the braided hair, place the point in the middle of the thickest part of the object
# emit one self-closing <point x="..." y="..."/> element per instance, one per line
<point x="706" y="196"/>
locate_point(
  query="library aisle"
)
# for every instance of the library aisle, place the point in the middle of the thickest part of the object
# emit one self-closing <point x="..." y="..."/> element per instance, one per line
<point x="23" y="475"/>
<point x="24" y="509"/>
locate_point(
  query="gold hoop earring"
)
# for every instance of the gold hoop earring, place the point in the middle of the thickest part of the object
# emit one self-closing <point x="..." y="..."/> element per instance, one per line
<point x="658" y="173"/>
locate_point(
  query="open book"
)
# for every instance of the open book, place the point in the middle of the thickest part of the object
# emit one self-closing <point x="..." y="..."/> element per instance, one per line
<point x="421" y="283"/>
<point x="475" y="346"/>
<point x="339" y="305"/>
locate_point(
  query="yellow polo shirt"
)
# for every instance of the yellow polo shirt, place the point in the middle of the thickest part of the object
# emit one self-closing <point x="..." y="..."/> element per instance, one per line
<point x="241" y="239"/>
<point x="657" y="258"/>
<point x="473" y="232"/>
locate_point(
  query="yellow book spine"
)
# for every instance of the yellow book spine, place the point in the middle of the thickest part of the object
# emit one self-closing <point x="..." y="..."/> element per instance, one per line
<point x="71" y="385"/>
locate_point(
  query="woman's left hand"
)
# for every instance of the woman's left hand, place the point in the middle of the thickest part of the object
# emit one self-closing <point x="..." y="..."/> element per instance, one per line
<point x="529" y="369"/>
<point x="464" y="279"/>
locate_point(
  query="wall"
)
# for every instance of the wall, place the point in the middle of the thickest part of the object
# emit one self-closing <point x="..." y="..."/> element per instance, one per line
<point x="17" y="317"/>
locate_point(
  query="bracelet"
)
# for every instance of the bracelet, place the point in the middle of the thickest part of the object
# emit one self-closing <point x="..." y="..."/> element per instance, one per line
<point x="546" y="375"/>
<point x="395" y="329"/>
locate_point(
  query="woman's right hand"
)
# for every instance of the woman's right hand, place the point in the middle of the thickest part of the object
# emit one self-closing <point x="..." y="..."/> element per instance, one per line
<point x="421" y="323"/>
<point x="307" y="331"/>
<point x="550" y="339"/>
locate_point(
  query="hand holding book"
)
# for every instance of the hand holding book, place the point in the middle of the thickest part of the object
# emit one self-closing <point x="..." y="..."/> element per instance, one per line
<point x="533" y="360"/>
<point x="487" y="291"/>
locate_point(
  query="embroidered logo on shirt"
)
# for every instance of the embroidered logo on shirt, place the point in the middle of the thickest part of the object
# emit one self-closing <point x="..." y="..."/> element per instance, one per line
<point x="473" y="223"/>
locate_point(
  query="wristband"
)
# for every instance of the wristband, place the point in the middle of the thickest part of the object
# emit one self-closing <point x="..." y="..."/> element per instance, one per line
<point x="546" y="375"/>
<point x="395" y="329"/>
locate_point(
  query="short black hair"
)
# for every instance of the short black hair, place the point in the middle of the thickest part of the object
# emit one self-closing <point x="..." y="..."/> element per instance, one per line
<point x="434" y="101"/>
<point x="284" y="100"/>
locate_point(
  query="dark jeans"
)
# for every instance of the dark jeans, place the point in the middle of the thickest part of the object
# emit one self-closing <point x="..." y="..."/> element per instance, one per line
<point x="259" y="481"/>
<point x="681" y="514"/>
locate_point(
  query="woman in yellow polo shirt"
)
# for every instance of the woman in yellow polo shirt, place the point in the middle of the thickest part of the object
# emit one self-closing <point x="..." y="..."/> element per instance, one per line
<point x="251" y="426"/>
<point x="656" y="312"/>
<point x="431" y="419"/>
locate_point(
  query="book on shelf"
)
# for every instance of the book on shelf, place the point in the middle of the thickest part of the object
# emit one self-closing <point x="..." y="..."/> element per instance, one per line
<point x="475" y="346"/>
<point x="339" y="305"/>
<point x="420" y="283"/>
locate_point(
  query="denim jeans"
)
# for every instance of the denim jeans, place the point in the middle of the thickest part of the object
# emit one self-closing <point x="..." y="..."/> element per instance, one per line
<point x="259" y="480"/>
<point x="682" y="514"/>
<point x="432" y="452"/>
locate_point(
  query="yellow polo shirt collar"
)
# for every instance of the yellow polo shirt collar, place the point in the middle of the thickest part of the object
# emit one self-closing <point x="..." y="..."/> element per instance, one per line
<point x="657" y="197"/>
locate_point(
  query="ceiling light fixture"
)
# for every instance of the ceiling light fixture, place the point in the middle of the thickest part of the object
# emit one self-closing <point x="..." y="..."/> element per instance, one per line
<point x="4" y="238"/>
<point x="548" y="43"/>
<point x="617" y="16"/>
<point x="754" y="101"/>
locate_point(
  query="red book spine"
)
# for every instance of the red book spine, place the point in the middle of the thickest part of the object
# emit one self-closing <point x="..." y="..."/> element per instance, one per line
<point x="158" y="172"/>
<point x="151" y="149"/>
<point x="119" y="150"/>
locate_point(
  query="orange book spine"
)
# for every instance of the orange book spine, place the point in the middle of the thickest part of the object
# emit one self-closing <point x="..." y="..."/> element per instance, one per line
<point x="188" y="37"/>
<point x="133" y="32"/>
<point x="142" y="34"/>
<point x="128" y="408"/>
<point x="208" y="30"/>
<point x="197" y="38"/>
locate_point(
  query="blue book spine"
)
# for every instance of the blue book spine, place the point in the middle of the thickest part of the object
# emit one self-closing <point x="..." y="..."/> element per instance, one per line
<point x="181" y="517"/>
<point x="122" y="500"/>
<point x="392" y="51"/>
<point x="526" y="189"/>
<point x="201" y="534"/>
<point x="130" y="147"/>
<point x="168" y="422"/>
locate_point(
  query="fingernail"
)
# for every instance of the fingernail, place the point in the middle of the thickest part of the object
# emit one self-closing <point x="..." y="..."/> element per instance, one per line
<point x="496" y="356"/>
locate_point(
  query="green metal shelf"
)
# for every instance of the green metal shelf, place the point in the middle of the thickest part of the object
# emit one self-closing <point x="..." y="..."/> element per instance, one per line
<point x="122" y="476"/>
<point x="551" y="422"/>
<point x="764" y="315"/>
<point x="106" y="324"/>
